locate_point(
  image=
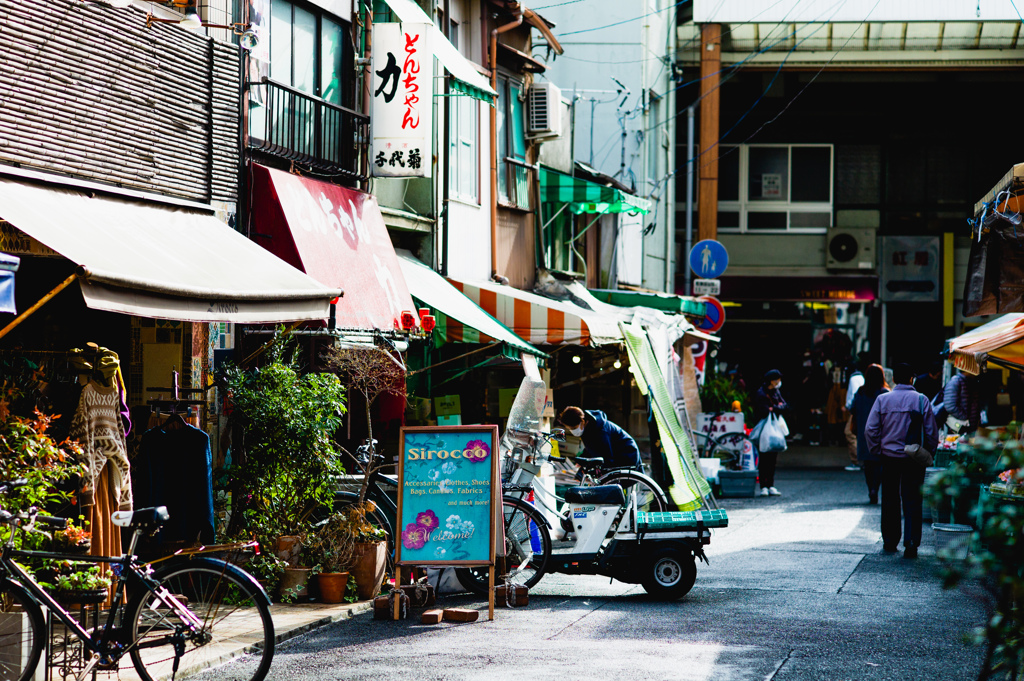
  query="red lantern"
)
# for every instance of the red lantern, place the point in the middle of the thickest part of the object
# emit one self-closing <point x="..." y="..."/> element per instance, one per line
<point x="424" y="311"/>
<point x="428" y="322"/>
<point x="408" y="320"/>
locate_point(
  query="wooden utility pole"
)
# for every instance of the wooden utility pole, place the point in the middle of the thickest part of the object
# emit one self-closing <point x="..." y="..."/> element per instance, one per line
<point x="707" y="159"/>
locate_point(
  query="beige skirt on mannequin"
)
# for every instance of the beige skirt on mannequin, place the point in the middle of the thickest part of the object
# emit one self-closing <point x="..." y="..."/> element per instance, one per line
<point x="106" y="536"/>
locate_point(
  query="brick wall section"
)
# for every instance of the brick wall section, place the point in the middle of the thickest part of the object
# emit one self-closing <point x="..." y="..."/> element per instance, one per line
<point x="87" y="90"/>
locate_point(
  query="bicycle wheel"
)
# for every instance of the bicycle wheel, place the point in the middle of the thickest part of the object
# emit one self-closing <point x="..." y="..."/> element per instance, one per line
<point x="230" y="606"/>
<point x="527" y="549"/>
<point x="649" y="496"/>
<point x="22" y="632"/>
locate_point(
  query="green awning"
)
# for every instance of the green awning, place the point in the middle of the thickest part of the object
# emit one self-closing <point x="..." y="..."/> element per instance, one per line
<point x="666" y="302"/>
<point x="689" y="487"/>
<point x="588" y="197"/>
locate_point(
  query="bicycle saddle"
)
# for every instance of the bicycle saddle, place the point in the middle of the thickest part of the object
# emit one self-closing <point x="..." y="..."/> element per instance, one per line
<point x="602" y="495"/>
<point x="141" y="518"/>
<point x="589" y="462"/>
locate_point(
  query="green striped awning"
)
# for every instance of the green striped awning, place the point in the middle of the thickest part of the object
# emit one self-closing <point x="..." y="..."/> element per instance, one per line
<point x="588" y="197"/>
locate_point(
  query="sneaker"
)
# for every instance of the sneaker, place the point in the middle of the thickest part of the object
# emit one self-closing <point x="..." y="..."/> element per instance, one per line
<point x="774" y="492"/>
<point x="852" y="468"/>
<point x="764" y="492"/>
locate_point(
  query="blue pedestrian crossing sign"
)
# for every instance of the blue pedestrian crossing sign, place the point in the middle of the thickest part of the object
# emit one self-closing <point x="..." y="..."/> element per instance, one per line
<point x="708" y="259"/>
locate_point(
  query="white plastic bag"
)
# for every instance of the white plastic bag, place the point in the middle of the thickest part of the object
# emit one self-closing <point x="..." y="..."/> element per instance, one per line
<point x="783" y="426"/>
<point x="772" y="438"/>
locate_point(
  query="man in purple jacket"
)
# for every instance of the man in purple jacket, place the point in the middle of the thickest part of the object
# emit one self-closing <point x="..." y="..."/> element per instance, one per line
<point x="896" y="419"/>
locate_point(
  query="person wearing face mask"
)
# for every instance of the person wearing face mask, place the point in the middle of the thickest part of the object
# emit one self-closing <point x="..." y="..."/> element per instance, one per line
<point x="768" y="400"/>
<point x="601" y="438"/>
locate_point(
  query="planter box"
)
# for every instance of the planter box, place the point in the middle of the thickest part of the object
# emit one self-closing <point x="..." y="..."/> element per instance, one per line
<point x="738" y="483"/>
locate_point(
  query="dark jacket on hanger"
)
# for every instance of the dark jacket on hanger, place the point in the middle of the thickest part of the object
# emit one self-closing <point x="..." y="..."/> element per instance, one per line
<point x="174" y="469"/>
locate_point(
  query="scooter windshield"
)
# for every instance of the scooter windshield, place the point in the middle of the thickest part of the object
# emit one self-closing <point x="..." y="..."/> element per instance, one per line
<point x="528" y="406"/>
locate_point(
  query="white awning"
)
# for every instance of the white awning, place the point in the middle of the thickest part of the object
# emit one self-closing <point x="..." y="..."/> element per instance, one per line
<point x="434" y="290"/>
<point x="446" y="53"/>
<point x="160" y="261"/>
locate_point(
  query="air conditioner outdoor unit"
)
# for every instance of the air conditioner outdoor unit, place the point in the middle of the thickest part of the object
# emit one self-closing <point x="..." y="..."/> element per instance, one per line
<point x="544" y="110"/>
<point x="850" y="249"/>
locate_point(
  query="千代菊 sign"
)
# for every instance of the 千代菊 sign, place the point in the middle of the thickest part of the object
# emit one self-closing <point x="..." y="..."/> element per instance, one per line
<point x="403" y="74"/>
<point x="448" y="487"/>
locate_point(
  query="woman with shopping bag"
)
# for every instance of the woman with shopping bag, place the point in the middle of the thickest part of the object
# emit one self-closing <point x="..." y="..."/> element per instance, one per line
<point x="769" y="435"/>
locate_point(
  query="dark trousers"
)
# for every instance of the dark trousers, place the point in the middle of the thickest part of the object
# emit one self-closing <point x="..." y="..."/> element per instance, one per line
<point x="766" y="468"/>
<point x="901" y="489"/>
<point x="872" y="476"/>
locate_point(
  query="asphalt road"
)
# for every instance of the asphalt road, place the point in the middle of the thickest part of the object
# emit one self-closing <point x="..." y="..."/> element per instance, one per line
<point x="797" y="589"/>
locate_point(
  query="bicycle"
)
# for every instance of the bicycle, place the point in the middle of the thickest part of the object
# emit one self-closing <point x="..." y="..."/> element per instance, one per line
<point x="178" y="618"/>
<point x="728" y="447"/>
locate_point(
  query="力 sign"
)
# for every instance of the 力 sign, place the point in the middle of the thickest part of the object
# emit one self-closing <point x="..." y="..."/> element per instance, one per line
<point x="448" y="490"/>
<point x="403" y="69"/>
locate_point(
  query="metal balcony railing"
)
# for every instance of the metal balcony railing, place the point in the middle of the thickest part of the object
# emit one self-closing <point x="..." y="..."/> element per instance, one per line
<point x="515" y="183"/>
<point x="300" y="127"/>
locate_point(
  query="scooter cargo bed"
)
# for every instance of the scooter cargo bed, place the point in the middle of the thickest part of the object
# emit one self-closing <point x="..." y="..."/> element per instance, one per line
<point x="668" y="521"/>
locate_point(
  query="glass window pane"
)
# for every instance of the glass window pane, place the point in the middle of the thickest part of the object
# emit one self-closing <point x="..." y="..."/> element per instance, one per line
<point x="281" y="41"/>
<point x="516" y="124"/>
<point x="728" y="173"/>
<point x="812" y="174"/>
<point x="758" y="220"/>
<point x="304" y="51"/>
<point x="502" y="107"/>
<point x="330" y="61"/>
<point x="727" y="219"/>
<point x="769" y="174"/>
<point x="809" y="219"/>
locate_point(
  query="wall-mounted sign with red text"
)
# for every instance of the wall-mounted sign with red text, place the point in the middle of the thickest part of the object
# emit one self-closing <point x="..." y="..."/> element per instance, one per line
<point x="402" y="82"/>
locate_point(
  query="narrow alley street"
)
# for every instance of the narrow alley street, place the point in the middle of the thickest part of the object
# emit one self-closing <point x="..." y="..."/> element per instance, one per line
<point x="797" y="589"/>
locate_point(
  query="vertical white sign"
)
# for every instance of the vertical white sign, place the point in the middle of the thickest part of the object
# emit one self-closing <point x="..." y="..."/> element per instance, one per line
<point x="403" y="68"/>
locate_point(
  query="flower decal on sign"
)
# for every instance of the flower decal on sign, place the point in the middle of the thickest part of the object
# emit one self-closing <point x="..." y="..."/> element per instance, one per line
<point x="476" y="451"/>
<point x="415" y="536"/>
<point x="428" y="519"/>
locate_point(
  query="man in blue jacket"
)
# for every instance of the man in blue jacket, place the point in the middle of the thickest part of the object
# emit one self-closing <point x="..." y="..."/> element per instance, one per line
<point x="601" y="438"/>
<point x="896" y="418"/>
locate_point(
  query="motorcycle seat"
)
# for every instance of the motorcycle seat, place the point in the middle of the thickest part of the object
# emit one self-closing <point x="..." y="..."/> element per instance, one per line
<point x="602" y="495"/>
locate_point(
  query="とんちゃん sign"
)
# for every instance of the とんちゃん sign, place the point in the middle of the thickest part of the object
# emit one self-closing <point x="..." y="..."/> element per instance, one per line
<point x="448" y="490"/>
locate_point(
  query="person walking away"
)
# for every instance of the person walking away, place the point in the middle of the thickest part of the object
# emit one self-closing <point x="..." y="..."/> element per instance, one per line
<point x="894" y="417"/>
<point x="602" y="438"/>
<point x="768" y="400"/>
<point x="852" y="448"/>
<point x="874" y="385"/>
<point x="963" y="402"/>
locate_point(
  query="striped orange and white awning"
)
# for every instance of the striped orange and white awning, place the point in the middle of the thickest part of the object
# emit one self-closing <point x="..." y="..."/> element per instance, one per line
<point x="540" y="320"/>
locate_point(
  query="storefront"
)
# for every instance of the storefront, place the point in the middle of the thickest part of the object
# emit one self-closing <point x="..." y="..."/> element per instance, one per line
<point x="124" y="299"/>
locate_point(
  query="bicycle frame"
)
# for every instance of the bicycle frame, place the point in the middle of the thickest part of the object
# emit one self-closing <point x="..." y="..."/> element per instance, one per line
<point x="129" y="575"/>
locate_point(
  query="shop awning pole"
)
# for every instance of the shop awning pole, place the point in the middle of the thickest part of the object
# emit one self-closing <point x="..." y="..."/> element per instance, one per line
<point x="42" y="301"/>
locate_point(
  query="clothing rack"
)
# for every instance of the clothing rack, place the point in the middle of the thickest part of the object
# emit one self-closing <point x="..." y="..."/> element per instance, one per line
<point x="177" y="401"/>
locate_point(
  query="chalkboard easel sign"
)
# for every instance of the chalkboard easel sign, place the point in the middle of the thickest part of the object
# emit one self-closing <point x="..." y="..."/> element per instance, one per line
<point x="449" y="494"/>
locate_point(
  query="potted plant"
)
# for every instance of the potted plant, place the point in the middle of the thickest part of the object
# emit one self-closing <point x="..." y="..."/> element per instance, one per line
<point x="73" y="538"/>
<point x="333" y="543"/>
<point x="285" y="457"/>
<point x="79" y="583"/>
<point x="369" y="551"/>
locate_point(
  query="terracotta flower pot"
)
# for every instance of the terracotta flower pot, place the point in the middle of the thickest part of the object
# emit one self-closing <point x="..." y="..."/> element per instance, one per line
<point x="332" y="586"/>
<point x="288" y="549"/>
<point x="369" y="562"/>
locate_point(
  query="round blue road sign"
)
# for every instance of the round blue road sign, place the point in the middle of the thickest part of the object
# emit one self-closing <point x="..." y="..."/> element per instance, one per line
<point x="708" y="259"/>
<point x="714" y="317"/>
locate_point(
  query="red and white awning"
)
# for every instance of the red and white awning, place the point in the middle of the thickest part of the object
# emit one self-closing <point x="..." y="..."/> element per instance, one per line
<point x="540" y="320"/>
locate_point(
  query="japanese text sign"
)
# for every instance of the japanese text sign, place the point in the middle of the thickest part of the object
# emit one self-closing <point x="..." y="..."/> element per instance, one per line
<point x="403" y="74"/>
<point x="448" y="487"/>
<point x="910" y="268"/>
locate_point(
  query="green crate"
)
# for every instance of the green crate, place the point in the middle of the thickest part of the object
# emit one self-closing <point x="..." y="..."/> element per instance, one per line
<point x="681" y="520"/>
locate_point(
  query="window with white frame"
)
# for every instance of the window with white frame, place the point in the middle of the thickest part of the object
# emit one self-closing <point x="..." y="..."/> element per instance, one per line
<point x="775" y="188"/>
<point x="462" y="149"/>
